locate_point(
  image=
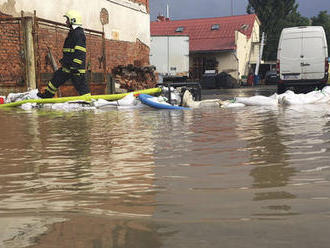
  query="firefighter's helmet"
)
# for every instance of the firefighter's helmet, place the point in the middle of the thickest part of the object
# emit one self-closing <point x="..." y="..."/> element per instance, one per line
<point x="74" y="17"/>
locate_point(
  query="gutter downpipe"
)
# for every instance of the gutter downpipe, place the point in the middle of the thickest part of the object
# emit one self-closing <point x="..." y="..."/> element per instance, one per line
<point x="237" y="64"/>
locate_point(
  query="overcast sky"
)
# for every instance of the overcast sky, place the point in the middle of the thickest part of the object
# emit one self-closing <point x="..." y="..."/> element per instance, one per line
<point x="186" y="9"/>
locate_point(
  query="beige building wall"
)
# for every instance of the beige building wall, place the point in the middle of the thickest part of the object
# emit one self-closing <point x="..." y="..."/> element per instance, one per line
<point x="247" y="49"/>
<point x="255" y="39"/>
<point x="237" y="63"/>
<point x="227" y="63"/>
<point x="128" y="21"/>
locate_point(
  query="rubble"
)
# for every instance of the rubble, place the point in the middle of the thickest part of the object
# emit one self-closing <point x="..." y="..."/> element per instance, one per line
<point x="132" y="77"/>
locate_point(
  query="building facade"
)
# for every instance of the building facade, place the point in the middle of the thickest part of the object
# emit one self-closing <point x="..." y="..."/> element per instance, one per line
<point x="224" y="44"/>
<point x="117" y="32"/>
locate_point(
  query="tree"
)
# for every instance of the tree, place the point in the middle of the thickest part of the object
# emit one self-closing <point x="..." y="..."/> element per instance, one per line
<point x="323" y="19"/>
<point x="274" y="16"/>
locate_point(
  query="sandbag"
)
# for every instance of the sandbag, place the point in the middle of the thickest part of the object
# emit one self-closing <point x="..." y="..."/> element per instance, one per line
<point x="258" y="100"/>
<point x="313" y="97"/>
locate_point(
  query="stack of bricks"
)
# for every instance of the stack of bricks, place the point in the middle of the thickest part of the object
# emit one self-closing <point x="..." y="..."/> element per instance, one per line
<point x="132" y="77"/>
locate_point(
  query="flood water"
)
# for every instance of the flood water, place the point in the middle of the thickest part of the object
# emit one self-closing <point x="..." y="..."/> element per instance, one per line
<point x="242" y="177"/>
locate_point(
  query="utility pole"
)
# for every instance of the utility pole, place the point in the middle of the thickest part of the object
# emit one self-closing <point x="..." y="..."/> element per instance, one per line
<point x="260" y="54"/>
<point x="232" y="7"/>
<point x="167" y="11"/>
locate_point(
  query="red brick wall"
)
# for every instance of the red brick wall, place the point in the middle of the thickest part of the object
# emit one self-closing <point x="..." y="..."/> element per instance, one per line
<point x="117" y="52"/>
<point x="12" y="62"/>
<point x="11" y="53"/>
<point x="124" y="53"/>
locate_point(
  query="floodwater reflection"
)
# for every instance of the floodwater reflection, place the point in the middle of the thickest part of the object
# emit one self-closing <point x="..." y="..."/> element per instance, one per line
<point x="248" y="177"/>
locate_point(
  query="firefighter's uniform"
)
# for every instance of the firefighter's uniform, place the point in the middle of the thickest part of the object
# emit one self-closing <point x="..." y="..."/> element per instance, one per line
<point x="73" y="61"/>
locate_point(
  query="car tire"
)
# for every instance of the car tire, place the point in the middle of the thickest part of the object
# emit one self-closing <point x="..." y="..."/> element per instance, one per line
<point x="281" y="89"/>
<point x="321" y="86"/>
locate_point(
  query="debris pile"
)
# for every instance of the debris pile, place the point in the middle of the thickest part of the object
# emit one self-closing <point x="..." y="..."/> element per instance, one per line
<point x="132" y="78"/>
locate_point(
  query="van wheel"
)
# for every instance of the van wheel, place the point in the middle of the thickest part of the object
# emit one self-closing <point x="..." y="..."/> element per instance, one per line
<point x="281" y="89"/>
<point x="321" y="86"/>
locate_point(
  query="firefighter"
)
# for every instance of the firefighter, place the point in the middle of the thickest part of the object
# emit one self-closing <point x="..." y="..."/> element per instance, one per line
<point x="73" y="61"/>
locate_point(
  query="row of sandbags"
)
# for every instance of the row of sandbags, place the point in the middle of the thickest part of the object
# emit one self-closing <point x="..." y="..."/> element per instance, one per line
<point x="287" y="98"/>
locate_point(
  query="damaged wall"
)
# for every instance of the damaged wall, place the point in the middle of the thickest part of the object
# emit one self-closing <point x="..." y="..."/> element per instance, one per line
<point x="50" y="38"/>
<point x="128" y="19"/>
<point x="127" y="38"/>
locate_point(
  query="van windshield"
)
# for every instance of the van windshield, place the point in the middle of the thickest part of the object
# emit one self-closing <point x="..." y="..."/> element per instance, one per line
<point x="291" y="48"/>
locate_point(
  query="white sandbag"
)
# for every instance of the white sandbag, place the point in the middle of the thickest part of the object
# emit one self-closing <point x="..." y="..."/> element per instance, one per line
<point x="126" y="102"/>
<point x="312" y="97"/>
<point x="71" y="106"/>
<point x="129" y="100"/>
<point x="187" y="101"/>
<point x="28" y="106"/>
<point x="101" y="103"/>
<point x="257" y="100"/>
<point x="229" y="104"/>
<point x="326" y="90"/>
<point x="14" y="97"/>
<point x="159" y="99"/>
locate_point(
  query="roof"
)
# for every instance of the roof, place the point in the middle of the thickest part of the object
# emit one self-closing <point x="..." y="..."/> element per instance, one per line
<point x="202" y="38"/>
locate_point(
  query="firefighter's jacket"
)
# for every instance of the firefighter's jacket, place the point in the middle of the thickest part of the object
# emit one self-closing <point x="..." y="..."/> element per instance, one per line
<point x="74" y="51"/>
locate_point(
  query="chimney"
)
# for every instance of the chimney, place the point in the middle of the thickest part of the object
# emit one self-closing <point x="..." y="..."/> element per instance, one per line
<point x="161" y="18"/>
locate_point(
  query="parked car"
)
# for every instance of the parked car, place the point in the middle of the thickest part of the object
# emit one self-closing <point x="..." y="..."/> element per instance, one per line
<point x="271" y="77"/>
<point x="223" y="80"/>
<point x="302" y="58"/>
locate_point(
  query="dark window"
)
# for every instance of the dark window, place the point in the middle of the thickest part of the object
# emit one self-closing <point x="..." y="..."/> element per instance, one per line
<point x="215" y="27"/>
<point x="179" y="29"/>
<point x="245" y="27"/>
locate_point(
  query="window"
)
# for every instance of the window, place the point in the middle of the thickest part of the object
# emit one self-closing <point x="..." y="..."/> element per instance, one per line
<point x="244" y="27"/>
<point x="179" y="29"/>
<point x="215" y="27"/>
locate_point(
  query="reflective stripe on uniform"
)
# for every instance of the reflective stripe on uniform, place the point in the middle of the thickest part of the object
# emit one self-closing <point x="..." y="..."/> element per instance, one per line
<point x="78" y="61"/>
<point x="68" y="50"/>
<point x="65" y="70"/>
<point x="80" y="71"/>
<point x="50" y="85"/>
<point x="50" y="90"/>
<point x="80" y="48"/>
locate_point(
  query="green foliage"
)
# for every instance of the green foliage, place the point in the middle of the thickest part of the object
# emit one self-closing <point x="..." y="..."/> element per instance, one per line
<point x="274" y="16"/>
<point x="323" y="19"/>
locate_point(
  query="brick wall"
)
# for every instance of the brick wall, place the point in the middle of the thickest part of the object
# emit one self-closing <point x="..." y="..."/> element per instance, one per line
<point x="52" y="38"/>
<point x="117" y="53"/>
<point x="11" y="53"/>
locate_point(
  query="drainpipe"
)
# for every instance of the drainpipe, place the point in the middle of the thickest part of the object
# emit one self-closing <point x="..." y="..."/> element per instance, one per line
<point x="260" y="54"/>
<point x="237" y="66"/>
<point x="168" y="55"/>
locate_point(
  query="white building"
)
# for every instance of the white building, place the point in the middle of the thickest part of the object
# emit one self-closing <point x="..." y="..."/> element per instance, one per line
<point x="225" y="44"/>
<point x="128" y="20"/>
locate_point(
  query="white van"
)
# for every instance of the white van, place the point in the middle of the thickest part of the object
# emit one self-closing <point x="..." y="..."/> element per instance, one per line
<point x="302" y="58"/>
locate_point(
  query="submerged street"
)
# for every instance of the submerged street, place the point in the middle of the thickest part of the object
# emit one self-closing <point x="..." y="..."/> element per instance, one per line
<point x="256" y="176"/>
